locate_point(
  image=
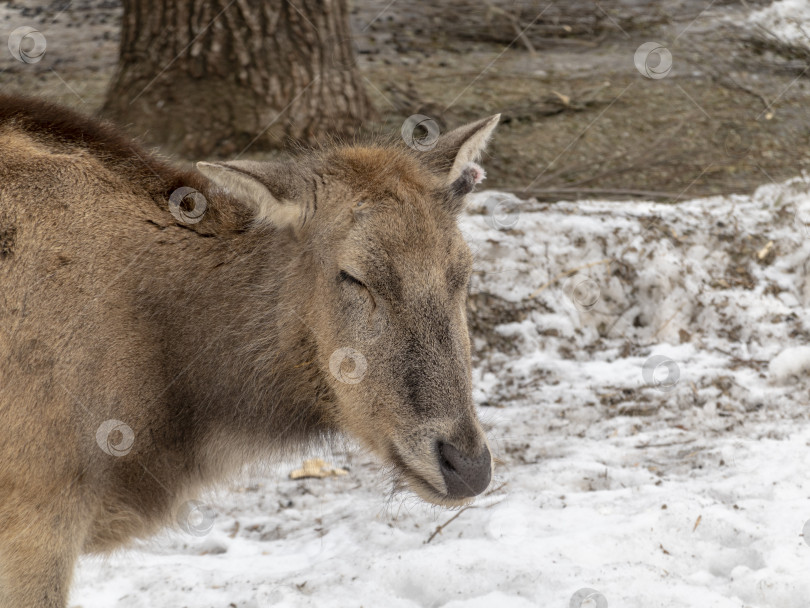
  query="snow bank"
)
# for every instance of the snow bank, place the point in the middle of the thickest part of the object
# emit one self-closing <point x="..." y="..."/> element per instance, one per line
<point x="791" y="364"/>
<point x="664" y="307"/>
<point x="788" y="20"/>
<point x="632" y="363"/>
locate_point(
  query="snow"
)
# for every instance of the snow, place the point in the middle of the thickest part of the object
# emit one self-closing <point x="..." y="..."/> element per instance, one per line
<point x="788" y="20"/>
<point x="791" y="363"/>
<point x="642" y="371"/>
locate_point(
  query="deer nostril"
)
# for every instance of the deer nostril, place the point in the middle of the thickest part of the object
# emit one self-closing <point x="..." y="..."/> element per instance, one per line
<point x="444" y="462"/>
<point x="465" y="476"/>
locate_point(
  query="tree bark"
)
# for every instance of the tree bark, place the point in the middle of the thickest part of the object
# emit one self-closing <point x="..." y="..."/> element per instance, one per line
<point x="216" y="77"/>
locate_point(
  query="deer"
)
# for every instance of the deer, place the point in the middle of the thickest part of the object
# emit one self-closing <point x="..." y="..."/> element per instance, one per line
<point x="161" y="327"/>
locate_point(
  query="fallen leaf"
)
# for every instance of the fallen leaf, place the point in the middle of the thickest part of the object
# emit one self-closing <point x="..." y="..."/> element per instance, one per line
<point x="318" y="468"/>
<point x="565" y="99"/>
<point x="765" y="250"/>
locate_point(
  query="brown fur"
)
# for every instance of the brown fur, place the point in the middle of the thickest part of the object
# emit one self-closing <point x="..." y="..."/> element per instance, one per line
<point x="211" y="341"/>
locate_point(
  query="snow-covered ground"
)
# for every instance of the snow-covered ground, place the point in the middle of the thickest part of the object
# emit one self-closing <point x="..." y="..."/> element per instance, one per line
<point x="788" y="20"/>
<point x="644" y="371"/>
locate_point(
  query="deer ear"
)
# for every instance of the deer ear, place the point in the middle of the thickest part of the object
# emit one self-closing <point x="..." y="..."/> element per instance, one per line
<point x="454" y="151"/>
<point x="273" y="191"/>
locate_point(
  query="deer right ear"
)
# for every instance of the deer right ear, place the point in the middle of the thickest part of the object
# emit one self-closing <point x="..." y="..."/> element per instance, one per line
<point x="273" y="191"/>
<point x="460" y="148"/>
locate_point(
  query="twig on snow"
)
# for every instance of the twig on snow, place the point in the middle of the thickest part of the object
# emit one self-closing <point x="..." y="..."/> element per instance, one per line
<point x="441" y="527"/>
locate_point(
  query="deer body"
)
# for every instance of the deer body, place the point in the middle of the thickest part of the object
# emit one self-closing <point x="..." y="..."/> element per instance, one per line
<point x="148" y="348"/>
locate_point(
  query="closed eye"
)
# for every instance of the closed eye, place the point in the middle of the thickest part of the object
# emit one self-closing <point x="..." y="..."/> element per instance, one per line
<point x="347" y="278"/>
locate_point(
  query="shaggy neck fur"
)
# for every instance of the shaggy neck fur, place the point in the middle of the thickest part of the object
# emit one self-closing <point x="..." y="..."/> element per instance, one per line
<point x="226" y="321"/>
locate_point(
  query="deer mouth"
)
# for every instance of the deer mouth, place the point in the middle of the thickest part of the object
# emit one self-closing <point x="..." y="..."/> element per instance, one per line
<point x="420" y="486"/>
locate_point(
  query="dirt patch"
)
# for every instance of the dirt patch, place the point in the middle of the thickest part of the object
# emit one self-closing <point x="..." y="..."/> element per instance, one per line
<point x="579" y="119"/>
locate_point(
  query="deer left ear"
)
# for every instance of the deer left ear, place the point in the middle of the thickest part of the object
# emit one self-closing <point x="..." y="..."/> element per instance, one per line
<point x="274" y="192"/>
<point x="456" y="152"/>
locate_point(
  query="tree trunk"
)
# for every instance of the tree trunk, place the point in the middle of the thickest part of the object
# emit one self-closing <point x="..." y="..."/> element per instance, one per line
<point x="216" y="77"/>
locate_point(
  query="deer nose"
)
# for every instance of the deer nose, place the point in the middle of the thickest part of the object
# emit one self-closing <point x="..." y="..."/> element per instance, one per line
<point x="464" y="476"/>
